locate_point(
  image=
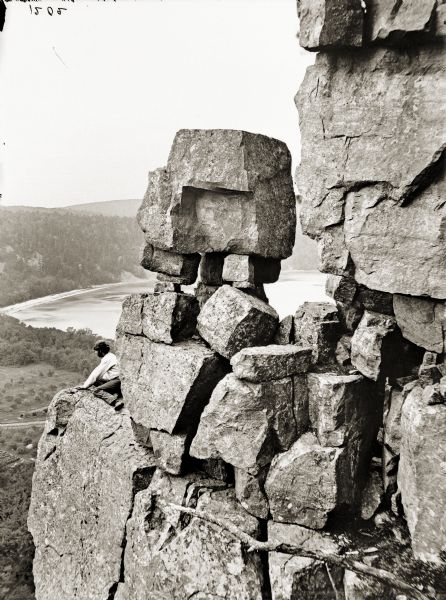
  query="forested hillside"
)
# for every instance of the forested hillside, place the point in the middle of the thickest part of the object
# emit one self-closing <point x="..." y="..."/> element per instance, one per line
<point x="45" y="251"/>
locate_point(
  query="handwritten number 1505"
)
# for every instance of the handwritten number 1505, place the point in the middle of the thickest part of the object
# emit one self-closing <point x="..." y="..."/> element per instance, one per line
<point x="35" y="10"/>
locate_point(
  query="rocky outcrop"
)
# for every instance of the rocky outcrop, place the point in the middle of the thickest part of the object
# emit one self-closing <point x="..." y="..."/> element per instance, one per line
<point x="87" y="474"/>
<point x="421" y="476"/>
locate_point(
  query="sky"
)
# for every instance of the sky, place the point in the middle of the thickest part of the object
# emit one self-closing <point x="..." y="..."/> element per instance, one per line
<point x="90" y="99"/>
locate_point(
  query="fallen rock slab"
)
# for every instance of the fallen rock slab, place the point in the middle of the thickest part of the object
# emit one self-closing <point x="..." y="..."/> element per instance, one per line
<point x="422" y="477"/>
<point x="166" y="387"/>
<point x="264" y="363"/>
<point x="245" y="423"/>
<point x="231" y="320"/>
<point x="306" y="483"/>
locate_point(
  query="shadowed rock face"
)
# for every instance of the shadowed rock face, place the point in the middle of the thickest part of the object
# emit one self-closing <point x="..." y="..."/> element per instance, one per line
<point x="83" y="489"/>
<point x="386" y="213"/>
<point x="222" y="191"/>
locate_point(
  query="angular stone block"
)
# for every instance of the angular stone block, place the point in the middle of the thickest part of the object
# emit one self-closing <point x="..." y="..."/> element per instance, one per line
<point x="422" y="476"/>
<point x="82" y="497"/>
<point x="295" y="577"/>
<point x="164" y="386"/>
<point x="343" y="350"/>
<point x="249" y="492"/>
<point x="246" y="424"/>
<point x="370" y="344"/>
<point x="250" y="269"/>
<point x="422" y="321"/>
<point x="383" y="215"/>
<point x="184" y="267"/>
<point x="169" y="450"/>
<point x="307" y="483"/>
<point x="330" y="23"/>
<point x="203" y="292"/>
<point x="169" y="556"/>
<point x="231" y="320"/>
<point x="169" y="317"/>
<point x="222" y="191"/>
<point x="391" y="21"/>
<point x="344" y="410"/>
<point x="130" y="320"/>
<point x="285" y="331"/>
<point x="371" y="495"/>
<point x="211" y="268"/>
<point x="316" y="324"/>
<point x="429" y="372"/>
<point x="300" y="403"/>
<point x="252" y="289"/>
<point x="264" y="363"/>
<point x="166" y="286"/>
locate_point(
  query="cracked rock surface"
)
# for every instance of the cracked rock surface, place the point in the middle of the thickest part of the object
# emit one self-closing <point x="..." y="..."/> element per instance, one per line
<point x="83" y="489"/>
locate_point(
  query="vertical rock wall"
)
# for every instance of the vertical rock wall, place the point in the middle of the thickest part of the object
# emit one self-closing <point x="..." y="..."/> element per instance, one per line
<point x="308" y="431"/>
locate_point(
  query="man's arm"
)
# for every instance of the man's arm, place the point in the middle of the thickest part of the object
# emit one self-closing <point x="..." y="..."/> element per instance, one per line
<point x="95" y="374"/>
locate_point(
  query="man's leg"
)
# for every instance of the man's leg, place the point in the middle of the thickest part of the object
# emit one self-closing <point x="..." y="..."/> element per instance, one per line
<point x="112" y="387"/>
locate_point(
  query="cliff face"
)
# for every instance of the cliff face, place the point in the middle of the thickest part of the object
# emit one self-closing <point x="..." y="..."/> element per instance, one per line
<point x="324" y="430"/>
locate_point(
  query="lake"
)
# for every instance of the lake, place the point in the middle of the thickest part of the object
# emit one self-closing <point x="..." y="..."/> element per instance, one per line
<point x="98" y="308"/>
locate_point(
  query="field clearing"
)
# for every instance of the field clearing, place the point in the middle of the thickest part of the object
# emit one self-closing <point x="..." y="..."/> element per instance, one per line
<point x="26" y="391"/>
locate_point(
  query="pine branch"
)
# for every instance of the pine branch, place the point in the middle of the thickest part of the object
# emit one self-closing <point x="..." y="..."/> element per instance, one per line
<point x="380" y="575"/>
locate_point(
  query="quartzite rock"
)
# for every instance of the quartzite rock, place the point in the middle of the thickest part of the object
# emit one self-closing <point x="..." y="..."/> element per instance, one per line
<point x="386" y="212"/>
<point x="130" y="320"/>
<point x="370" y="347"/>
<point x="328" y="23"/>
<point x="344" y="350"/>
<point x="306" y="483"/>
<point x="344" y="410"/>
<point x="285" y="331"/>
<point x="264" y="363"/>
<point x="203" y="292"/>
<point x="393" y="20"/>
<point x="166" y="286"/>
<point x="169" y="450"/>
<point x="222" y="191"/>
<point x="316" y="324"/>
<point x="249" y="492"/>
<point x="166" y="387"/>
<point x="429" y="372"/>
<point x="82" y="497"/>
<point x="184" y="267"/>
<point x="422" y="475"/>
<point x="294" y="577"/>
<point x="371" y="495"/>
<point x="211" y="268"/>
<point x="250" y="269"/>
<point x="169" y="317"/>
<point x="169" y="555"/>
<point x="366" y="588"/>
<point x="422" y="321"/>
<point x="231" y="320"/>
<point x="246" y="424"/>
<point x="300" y="404"/>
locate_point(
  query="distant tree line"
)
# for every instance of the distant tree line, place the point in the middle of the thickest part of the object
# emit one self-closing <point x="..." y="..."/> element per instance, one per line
<point x="22" y="344"/>
<point x="46" y="251"/>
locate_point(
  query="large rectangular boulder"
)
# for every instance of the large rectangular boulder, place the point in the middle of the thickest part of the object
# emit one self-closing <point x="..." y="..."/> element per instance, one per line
<point x="241" y="269"/>
<point x="166" y="387"/>
<point x="328" y="24"/>
<point x="245" y="423"/>
<point x="264" y="363"/>
<point x="222" y="191"/>
<point x="184" y="267"/>
<point x="231" y="320"/>
<point x="316" y="324"/>
<point x="422" y="475"/>
<point x="422" y="321"/>
<point x="166" y="317"/>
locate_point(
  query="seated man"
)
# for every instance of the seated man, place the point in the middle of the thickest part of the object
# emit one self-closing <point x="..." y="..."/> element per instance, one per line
<point x="104" y="379"/>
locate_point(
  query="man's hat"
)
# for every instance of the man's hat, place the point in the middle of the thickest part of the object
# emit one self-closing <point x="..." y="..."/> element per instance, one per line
<point x="101" y="345"/>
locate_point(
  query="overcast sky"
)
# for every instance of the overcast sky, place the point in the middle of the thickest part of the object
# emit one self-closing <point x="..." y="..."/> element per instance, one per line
<point x="91" y="99"/>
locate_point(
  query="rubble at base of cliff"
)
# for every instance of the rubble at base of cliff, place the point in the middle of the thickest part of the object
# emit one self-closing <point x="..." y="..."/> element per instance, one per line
<point x="323" y="430"/>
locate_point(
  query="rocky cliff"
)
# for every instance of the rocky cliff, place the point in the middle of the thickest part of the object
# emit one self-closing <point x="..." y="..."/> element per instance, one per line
<point x="323" y="432"/>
